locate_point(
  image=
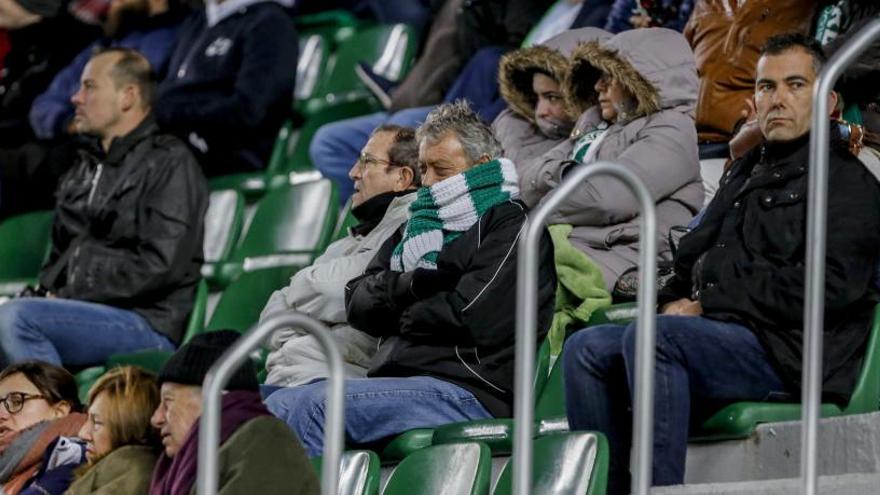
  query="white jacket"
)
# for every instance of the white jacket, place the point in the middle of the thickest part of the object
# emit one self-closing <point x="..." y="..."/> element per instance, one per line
<point x="318" y="290"/>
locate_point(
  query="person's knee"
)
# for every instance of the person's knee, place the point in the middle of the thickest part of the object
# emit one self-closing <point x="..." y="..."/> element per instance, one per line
<point x="291" y="403"/>
<point x="592" y="348"/>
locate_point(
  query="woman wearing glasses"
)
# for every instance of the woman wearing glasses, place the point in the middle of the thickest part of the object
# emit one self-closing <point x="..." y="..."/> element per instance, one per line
<point x="38" y="420"/>
<point x="121" y="446"/>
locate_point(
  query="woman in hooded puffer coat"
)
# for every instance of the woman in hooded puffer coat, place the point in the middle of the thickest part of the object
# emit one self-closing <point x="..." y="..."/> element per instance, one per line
<point x="530" y="82"/>
<point x="636" y="94"/>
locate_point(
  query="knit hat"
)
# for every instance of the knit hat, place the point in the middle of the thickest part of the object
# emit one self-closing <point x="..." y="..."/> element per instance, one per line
<point x="190" y="364"/>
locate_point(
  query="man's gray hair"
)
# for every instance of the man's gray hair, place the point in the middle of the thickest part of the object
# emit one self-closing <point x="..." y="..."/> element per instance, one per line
<point x="475" y="136"/>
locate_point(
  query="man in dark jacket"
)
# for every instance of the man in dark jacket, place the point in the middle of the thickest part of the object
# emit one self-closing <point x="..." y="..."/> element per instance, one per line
<point x="732" y="316"/>
<point x="440" y="296"/>
<point x="230" y="84"/>
<point x="127" y="236"/>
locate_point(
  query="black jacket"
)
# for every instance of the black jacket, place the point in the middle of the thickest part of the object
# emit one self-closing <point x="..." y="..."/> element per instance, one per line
<point x="230" y="86"/>
<point x="128" y="228"/>
<point x="464" y="334"/>
<point x="745" y="261"/>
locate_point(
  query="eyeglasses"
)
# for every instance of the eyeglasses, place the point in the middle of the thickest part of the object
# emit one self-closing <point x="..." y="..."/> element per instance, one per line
<point x="14" y="401"/>
<point x="365" y="160"/>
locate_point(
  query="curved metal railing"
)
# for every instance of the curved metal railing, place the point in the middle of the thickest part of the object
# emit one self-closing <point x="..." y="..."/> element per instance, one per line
<point x="222" y="370"/>
<point x="527" y="320"/>
<point x="817" y="206"/>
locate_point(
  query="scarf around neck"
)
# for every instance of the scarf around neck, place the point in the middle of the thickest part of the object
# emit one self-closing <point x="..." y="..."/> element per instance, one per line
<point x="177" y="475"/>
<point x="442" y="212"/>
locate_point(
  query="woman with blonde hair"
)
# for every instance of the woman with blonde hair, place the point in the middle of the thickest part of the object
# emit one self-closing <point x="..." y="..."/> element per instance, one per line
<point x="121" y="446"/>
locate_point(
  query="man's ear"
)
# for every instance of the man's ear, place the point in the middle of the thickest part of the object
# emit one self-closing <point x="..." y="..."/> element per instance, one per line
<point x="129" y="97"/>
<point x="833" y="99"/>
<point x="404" y="179"/>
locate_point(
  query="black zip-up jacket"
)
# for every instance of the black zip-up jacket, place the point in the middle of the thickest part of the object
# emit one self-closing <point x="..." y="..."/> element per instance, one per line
<point x="230" y="86"/>
<point x="745" y="261"/>
<point x="128" y="228"/>
<point x="464" y="335"/>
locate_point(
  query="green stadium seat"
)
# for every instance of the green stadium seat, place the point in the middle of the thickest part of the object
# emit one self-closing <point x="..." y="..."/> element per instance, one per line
<point x="345" y="221"/>
<point x="359" y="474"/>
<point x="25" y="241"/>
<point x="334" y="25"/>
<point x="290" y="227"/>
<point x="313" y="53"/>
<point x="496" y="433"/>
<point x="85" y="379"/>
<point x="739" y="420"/>
<point x="456" y="468"/>
<point x="573" y="463"/>
<point x="389" y="49"/>
<point x="223" y="222"/>
<point x="242" y="301"/>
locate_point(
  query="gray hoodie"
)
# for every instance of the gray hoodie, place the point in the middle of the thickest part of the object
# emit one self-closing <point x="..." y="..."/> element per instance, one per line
<point x="520" y="137"/>
<point x="657" y="141"/>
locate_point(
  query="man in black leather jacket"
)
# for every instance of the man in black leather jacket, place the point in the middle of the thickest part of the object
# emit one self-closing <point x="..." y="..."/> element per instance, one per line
<point x="127" y="234"/>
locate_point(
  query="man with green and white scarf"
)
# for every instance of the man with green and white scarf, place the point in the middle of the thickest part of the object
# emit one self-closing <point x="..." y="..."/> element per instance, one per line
<point x="440" y="294"/>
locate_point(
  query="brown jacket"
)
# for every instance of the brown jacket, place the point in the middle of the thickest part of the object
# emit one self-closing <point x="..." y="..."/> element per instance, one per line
<point x="726" y="36"/>
<point x="125" y="471"/>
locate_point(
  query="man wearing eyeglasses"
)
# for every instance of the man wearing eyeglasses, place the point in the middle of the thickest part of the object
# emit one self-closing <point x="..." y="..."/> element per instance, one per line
<point x="385" y="178"/>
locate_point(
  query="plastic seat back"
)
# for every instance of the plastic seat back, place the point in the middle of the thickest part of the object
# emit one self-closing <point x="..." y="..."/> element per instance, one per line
<point x="359" y="474"/>
<point x="242" y="301"/>
<point x="223" y="222"/>
<point x="565" y="464"/>
<point x="459" y="468"/>
<point x="25" y="241"/>
<point x="290" y="226"/>
<point x="388" y="49"/>
<point x="313" y="54"/>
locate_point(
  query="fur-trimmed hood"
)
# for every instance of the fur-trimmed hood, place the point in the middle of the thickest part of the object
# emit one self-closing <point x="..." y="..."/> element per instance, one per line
<point x="517" y="67"/>
<point x="656" y="65"/>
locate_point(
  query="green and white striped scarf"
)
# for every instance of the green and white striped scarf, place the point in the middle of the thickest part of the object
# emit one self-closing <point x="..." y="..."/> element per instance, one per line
<point x="442" y="212"/>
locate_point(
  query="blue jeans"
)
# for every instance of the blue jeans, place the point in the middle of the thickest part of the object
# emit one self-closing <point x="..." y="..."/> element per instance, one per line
<point x="701" y="364"/>
<point x="69" y="332"/>
<point x="375" y="408"/>
<point x="336" y="146"/>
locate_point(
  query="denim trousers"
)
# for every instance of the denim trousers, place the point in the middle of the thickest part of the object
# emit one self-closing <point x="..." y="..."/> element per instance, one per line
<point x="337" y="145"/>
<point x="701" y="365"/>
<point x="73" y="333"/>
<point x="375" y="408"/>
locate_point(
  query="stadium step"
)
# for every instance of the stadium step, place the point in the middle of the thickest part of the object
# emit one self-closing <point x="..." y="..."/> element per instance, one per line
<point x="847" y="484"/>
<point x="848" y="445"/>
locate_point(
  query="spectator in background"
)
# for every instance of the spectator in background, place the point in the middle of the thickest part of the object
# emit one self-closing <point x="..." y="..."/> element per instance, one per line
<point x="121" y="445"/>
<point x="38" y="420"/>
<point x="230" y="84"/>
<point x="127" y="234"/>
<point x="148" y="26"/>
<point x="482" y="29"/>
<point x="727" y="38"/>
<point x="258" y="453"/>
<point x="634" y="14"/>
<point x="530" y="79"/>
<point x="644" y="82"/>
<point x="732" y="314"/>
<point x="29" y="174"/>
<point x="439" y="296"/>
<point x="43" y="41"/>
<point x="386" y="176"/>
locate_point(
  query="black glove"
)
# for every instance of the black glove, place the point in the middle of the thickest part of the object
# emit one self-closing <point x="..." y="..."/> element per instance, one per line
<point x="425" y="283"/>
<point x="38" y="291"/>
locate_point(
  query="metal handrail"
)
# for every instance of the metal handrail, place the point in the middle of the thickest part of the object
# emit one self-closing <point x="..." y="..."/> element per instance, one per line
<point x="222" y="370"/>
<point x="814" y="303"/>
<point x="527" y="321"/>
